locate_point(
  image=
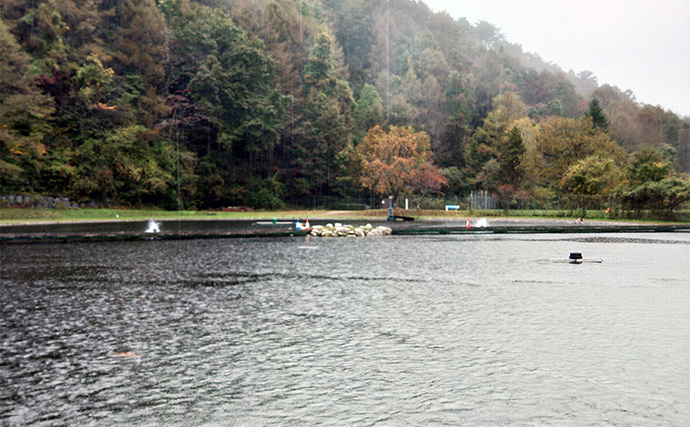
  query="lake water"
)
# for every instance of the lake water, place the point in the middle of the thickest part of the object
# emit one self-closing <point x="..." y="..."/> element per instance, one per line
<point x="426" y="330"/>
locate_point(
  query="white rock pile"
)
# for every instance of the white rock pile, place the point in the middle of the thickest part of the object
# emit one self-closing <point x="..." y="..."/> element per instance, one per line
<point x="340" y="230"/>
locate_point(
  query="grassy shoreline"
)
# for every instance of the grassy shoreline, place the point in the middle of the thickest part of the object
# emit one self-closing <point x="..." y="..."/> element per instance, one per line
<point x="9" y="216"/>
<point x="14" y="216"/>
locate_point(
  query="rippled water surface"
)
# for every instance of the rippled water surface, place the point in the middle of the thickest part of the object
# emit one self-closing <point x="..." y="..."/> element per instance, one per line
<point x="379" y="331"/>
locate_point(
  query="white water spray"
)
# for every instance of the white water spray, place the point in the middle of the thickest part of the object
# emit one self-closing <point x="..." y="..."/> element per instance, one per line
<point x="482" y="223"/>
<point x="153" y="227"/>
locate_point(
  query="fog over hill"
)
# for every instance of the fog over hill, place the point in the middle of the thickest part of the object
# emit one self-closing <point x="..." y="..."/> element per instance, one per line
<point x="638" y="45"/>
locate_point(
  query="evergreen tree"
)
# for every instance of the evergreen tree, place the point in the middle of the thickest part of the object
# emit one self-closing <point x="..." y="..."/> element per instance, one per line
<point x="487" y="140"/>
<point x="318" y="70"/>
<point x="138" y="34"/>
<point x="234" y="113"/>
<point x="324" y="131"/>
<point x="596" y="113"/>
<point x="510" y="157"/>
<point x="354" y="32"/>
<point x="368" y="111"/>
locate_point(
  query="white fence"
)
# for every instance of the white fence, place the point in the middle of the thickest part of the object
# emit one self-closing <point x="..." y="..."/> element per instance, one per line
<point x="482" y="200"/>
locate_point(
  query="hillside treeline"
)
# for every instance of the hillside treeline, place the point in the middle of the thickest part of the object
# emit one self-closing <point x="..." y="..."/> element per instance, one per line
<point x="261" y="103"/>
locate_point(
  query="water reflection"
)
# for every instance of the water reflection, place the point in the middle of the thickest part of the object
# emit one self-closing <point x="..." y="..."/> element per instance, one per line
<point x="434" y="330"/>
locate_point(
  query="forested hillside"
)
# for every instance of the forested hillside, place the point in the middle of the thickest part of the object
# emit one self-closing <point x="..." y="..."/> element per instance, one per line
<point x="262" y="103"/>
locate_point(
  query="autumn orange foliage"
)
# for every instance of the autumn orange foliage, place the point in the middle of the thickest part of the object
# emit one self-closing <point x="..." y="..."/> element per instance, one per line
<point x="398" y="162"/>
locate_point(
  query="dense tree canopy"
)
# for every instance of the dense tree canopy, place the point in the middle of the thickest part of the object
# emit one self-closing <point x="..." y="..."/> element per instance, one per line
<point x="250" y="102"/>
<point x="24" y="119"/>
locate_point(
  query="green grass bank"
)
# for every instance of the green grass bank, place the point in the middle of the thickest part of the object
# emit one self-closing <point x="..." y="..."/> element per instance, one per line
<point x="33" y="215"/>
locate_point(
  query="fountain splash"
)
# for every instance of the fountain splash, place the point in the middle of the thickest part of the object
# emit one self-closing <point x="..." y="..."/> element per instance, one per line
<point x="482" y="223"/>
<point x="153" y="227"/>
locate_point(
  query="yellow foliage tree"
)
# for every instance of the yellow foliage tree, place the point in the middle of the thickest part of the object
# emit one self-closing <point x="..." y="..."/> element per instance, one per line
<point x="561" y="142"/>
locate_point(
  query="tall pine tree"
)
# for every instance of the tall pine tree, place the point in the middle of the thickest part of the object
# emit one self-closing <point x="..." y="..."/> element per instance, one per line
<point x="325" y="130"/>
<point x="596" y="113"/>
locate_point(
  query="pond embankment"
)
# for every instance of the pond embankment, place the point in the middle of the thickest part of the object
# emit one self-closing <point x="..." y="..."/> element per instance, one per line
<point x="224" y="229"/>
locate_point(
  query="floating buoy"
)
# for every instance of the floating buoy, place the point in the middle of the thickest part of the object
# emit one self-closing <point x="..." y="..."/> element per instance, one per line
<point x="306" y="225"/>
<point x="575" y="258"/>
<point x="468" y="224"/>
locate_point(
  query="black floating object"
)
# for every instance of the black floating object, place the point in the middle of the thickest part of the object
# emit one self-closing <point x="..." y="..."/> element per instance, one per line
<point x="576" y="258"/>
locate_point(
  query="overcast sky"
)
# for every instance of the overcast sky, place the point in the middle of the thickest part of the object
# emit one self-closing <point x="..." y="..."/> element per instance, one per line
<point x="641" y="45"/>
